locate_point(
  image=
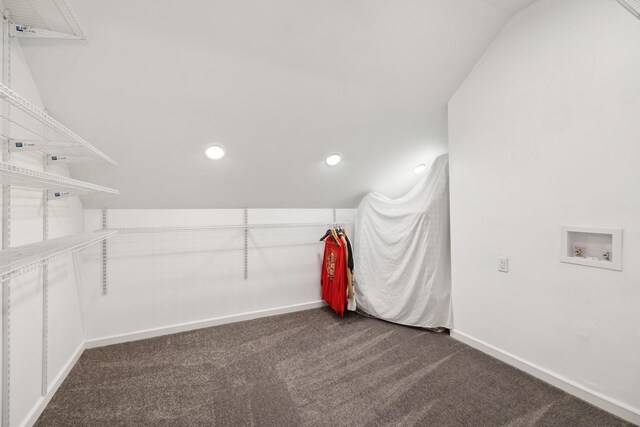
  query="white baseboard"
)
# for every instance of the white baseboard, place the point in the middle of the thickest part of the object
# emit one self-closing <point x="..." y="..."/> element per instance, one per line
<point x="199" y="324"/>
<point x="620" y="409"/>
<point x="42" y="403"/>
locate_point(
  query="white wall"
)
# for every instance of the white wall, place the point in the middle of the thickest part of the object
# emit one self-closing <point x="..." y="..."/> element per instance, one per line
<point x="65" y="319"/>
<point x="160" y="281"/>
<point x="546" y="132"/>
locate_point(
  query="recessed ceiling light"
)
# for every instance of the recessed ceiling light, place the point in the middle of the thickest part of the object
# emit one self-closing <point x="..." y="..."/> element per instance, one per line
<point x="214" y="152"/>
<point x="333" y="159"/>
<point x="420" y="168"/>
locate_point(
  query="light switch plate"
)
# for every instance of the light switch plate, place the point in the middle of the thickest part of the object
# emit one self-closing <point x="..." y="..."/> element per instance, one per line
<point x="503" y="264"/>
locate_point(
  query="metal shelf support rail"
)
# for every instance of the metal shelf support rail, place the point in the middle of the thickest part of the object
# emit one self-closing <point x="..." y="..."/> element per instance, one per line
<point x="6" y="234"/>
<point x="105" y="226"/>
<point x="45" y="296"/>
<point x="6" y="351"/>
<point x="246" y="243"/>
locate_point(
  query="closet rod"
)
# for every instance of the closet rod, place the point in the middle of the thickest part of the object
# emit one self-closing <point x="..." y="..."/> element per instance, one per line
<point x="141" y="230"/>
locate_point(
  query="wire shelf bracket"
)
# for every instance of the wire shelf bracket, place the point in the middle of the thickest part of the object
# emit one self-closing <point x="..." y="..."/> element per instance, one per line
<point x="633" y="6"/>
<point x="22" y="259"/>
<point x="44" y="19"/>
<point x="57" y="186"/>
<point x="37" y="130"/>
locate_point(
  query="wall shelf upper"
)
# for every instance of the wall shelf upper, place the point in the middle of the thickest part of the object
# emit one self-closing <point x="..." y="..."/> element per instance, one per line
<point x="44" y="19"/>
<point x="58" y="186"/>
<point x="19" y="260"/>
<point x="30" y="128"/>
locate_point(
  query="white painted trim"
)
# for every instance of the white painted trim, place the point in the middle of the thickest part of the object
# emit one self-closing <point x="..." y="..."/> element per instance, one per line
<point x="42" y="403"/>
<point x="613" y="406"/>
<point x="199" y="324"/>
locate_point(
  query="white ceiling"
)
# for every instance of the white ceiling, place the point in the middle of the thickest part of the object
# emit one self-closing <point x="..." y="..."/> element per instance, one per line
<point x="280" y="84"/>
<point x="511" y="6"/>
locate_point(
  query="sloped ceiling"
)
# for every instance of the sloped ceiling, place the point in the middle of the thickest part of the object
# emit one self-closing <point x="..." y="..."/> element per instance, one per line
<point x="511" y="7"/>
<point x="280" y="84"/>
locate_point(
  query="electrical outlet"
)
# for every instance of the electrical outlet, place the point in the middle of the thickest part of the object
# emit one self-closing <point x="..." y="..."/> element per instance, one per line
<point x="503" y="264"/>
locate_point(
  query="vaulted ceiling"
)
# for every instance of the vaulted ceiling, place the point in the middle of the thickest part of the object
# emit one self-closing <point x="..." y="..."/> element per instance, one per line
<point x="280" y="84"/>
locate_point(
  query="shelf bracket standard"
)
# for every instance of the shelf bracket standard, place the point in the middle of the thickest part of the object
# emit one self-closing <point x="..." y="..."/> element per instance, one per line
<point x="6" y="203"/>
<point x="105" y="226"/>
<point x="6" y="238"/>
<point x="6" y="350"/>
<point x="246" y="244"/>
<point x="6" y="127"/>
<point x="45" y="297"/>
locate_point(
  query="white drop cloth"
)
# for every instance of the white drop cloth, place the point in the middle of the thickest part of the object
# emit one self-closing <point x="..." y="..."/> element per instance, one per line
<point x="402" y="253"/>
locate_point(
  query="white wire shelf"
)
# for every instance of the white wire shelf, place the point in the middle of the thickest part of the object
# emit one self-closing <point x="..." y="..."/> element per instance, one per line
<point x="44" y="19"/>
<point x="159" y="230"/>
<point x="632" y="6"/>
<point x="16" y="261"/>
<point x="30" y="128"/>
<point x="58" y="186"/>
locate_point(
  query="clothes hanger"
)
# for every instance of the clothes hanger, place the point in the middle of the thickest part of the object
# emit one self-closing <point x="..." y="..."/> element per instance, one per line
<point x="335" y="236"/>
<point x="325" y="235"/>
<point x="330" y="232"/>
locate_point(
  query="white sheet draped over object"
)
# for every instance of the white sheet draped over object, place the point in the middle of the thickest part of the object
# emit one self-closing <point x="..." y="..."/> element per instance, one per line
<point x="403" y="255"/>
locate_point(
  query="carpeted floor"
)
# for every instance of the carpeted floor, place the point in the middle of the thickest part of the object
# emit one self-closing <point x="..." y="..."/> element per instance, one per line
<point x="307" y="368"/>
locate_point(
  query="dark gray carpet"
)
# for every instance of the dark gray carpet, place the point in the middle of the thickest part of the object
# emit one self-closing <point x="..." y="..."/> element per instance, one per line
<point x="307" y="368"/>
